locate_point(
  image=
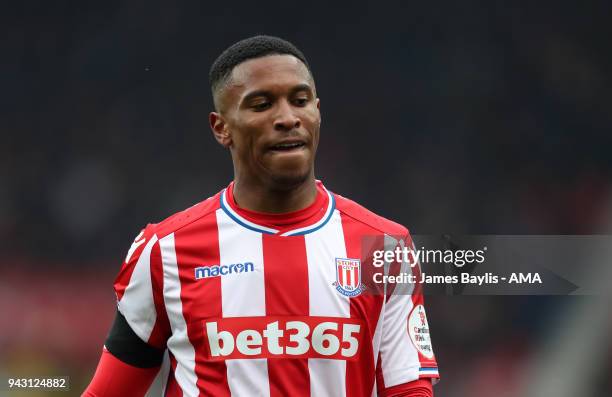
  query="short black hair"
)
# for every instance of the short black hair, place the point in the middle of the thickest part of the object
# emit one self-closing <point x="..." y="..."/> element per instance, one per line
<point x="250" y="48"/>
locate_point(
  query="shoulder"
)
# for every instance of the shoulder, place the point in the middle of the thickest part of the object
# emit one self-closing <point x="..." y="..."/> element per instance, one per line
<point x="184" y="218"/>
<point x="360" y="214"/>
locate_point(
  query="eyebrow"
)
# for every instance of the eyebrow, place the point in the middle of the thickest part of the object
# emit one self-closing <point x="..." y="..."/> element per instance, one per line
<point x="257" y="93"/>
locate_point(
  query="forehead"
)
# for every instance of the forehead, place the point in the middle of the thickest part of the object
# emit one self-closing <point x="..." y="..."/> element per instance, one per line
<point x="269" y="72"/>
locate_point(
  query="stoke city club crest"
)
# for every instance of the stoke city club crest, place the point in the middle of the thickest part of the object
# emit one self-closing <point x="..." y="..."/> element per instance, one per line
<point x="348" y="277"/>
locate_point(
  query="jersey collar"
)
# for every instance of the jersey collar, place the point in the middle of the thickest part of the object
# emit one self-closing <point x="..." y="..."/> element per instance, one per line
<point x="295" y="223"/>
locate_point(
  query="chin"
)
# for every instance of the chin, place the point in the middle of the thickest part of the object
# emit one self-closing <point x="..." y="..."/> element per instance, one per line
<point x="289" y="180"/>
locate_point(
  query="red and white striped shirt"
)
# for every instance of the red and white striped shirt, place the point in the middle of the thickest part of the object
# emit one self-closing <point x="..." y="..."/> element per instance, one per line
<point x="269" y="304"/>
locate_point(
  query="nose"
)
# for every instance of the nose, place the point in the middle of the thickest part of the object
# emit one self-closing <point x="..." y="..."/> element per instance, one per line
<point x="285" y="118"/>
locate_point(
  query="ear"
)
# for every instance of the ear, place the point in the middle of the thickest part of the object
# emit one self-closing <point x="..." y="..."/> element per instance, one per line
<point x="219" y="129"/>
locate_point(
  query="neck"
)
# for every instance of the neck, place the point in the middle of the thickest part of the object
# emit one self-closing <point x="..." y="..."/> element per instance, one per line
<point x="256" y="197"/>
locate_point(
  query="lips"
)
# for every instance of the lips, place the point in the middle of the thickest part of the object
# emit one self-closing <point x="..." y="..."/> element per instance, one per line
<point x="287" y="145"/>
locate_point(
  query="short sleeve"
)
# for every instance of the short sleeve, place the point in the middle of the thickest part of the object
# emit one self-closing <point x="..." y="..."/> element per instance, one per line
<point x="406" y="352"/>
<point x="139" y="289"/>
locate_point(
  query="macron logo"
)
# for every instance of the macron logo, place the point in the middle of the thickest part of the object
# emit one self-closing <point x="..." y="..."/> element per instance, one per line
<point x="222" y="270"/>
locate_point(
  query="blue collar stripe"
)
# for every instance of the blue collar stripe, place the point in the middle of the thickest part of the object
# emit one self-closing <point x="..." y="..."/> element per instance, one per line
<point x="313" y="228"/>
<point x="241" y="221"/>
<point x="266" y="230"/>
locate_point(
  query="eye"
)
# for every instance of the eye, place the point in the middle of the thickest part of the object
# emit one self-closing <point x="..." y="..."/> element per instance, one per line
<point x="260" y="106"/>
<point x="301" y="101"/>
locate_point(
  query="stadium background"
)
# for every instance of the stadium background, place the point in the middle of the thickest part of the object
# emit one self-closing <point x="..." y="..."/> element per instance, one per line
<point x="475" y="117"/>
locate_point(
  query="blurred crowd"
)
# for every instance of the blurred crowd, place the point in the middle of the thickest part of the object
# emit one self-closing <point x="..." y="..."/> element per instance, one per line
<point x="471" y="117"/>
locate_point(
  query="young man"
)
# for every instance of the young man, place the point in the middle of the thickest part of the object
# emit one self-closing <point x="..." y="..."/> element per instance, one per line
<point x="257" y="291"/>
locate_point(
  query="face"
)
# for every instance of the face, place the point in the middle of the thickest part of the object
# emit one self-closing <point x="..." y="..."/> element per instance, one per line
<point x="269" y="119"/>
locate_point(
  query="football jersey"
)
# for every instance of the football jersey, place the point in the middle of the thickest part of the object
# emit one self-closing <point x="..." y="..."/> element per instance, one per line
<point x="251" y="304"/>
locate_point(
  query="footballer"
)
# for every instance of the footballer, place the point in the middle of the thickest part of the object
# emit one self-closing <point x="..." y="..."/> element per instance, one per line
<point x="256" y="291"/>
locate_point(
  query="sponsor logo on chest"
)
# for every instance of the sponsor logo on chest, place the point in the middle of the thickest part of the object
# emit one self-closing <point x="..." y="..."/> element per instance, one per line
<point x="223" y="270"/>
<point x="284" y="337"/>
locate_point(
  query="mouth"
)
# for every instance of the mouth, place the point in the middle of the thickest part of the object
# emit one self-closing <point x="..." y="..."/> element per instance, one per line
<point x="288" y="146"/>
